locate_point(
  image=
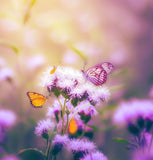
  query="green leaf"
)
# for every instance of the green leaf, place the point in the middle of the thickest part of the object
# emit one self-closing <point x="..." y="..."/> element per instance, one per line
<point x="77" y="51"/>
<point x="120" y="140"/>
<point x="94" y="128"/>
<point x="31" y="154"/>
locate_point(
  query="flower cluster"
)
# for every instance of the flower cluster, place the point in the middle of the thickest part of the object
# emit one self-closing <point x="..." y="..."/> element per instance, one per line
<point x="71" y="112"/>
<point x="7" y="121"/>
<point x="95" y="155"/>
<point x="136" y="114"/>
<point x="71" y="84"/>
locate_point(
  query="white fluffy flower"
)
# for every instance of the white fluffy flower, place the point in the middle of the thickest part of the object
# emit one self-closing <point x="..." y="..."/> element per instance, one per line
<point x="43" y="126"/>
<point x="132" y="110"/>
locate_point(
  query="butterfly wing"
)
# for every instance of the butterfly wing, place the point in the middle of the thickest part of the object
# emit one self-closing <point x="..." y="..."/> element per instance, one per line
<point x="73" y="127"/>
<point x="97" y="75"/>
<point x="107" y="66"/>
<point x="53" y="70"/>
<point x="36" y="99"/>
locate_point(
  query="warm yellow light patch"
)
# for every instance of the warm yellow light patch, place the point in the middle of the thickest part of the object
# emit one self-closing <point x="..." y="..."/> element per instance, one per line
<point x="73" y="127"/>
<point x="53" y="70"/>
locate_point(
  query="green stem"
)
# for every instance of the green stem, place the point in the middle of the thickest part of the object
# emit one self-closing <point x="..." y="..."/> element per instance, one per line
<point x="84" y="130"/>
<point x="75" y="114"/>
<point x="48" y="150"/>
<point x="61" y="114"/>
<point x="67" y="123"/>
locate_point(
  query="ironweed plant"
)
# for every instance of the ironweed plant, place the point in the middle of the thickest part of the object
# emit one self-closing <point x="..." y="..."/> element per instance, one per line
<point x="66" y="125"/>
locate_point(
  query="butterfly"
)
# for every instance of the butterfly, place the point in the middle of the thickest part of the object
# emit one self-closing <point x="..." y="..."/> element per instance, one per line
<point x="73" y="127"/>
<point x="98" y="74"/>
<point x="36" y="99"/>
<point x="53" y="70"/>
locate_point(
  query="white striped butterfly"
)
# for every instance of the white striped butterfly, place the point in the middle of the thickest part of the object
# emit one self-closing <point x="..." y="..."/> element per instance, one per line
<point x="98" y="74"/>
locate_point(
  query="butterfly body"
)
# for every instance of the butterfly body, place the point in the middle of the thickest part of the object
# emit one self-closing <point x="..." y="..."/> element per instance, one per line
<point x="36" y="99"/>
<point x="98" y="73"/>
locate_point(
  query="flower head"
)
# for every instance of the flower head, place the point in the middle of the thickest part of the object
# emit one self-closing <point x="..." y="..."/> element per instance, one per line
<point x="67" y="74"/>
<point x="133" y="110"/>
<point x="7" y="118"/>
<point x="6" y="74"/>
<point x="10" y="157"/>
<point x="95" y="156"/>
<point x="43" y="127"/>
<point x="80" y="147"/>
<point x="58" y="143"/>
<point x="86" y="111"/>
<point x="98" y="94"/>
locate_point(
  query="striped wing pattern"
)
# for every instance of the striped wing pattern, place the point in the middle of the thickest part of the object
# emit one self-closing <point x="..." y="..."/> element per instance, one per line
<point x="107" y="66"/>
<point x="97" y="75"/>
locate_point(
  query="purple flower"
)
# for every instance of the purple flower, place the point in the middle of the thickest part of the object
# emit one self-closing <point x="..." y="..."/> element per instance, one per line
<point x="71" y="84"/>
<point x="64" y="79"/>
<point x="131" y="111"/>
<point x="80" y="92"/>
<point x="58" y="143"/>
<point x="7" y="118"/>
<point x="80" y="147"/>
<point x="139" y="155"/>
<point x="92" y="93"/>
<point x="98" y="94"/>
<point x="10" y="157"/>
<point x="6" y="74"/>
<point x="86" y="112"/>
<point x="88" y="109"/>
<point x="94" y="156"/>
<point x="43" y="127"/>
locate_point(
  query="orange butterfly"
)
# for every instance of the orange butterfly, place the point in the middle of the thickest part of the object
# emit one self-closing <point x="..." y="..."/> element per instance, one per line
<point x="36" y="99"/>
<point x="73" y="127"/>
<point x="53" y="70"/>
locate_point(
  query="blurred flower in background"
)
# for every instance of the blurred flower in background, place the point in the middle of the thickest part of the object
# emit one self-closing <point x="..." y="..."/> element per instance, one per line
<point x="35" y="34"/>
